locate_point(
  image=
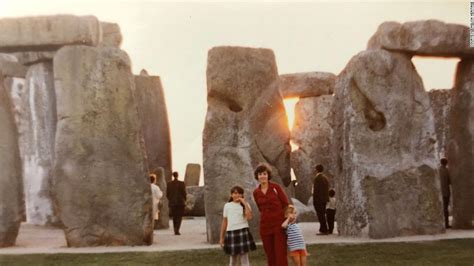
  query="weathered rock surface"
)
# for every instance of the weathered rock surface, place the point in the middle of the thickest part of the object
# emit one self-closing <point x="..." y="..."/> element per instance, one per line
<point x="245" y="124"/>
<point x="38" y="144"/>
<point x="29" y="58"/>
<point x="101" y="184"/>
<point x="306" y="213"/>
<point x="194" y="201"/>
<point x="440" y="103"/>
<point x="385" y="139"/>
<point x="312" y="134"/>
<point x="47" y="33"/>
<point x="426" y="37"/>
<point x="461" y="146"/>
<point x="12" y="69"/>
<point x="164" y="217"/>
<point x="154" y="122"/>
<point x="10" y="175"/>
<point x="8" y="57"/>
<point x="311" y="84"/>
<point x="111" y="35"/>
<point x="192" y="175"/>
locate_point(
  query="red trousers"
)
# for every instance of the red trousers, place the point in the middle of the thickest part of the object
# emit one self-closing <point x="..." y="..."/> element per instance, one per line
<point x="275" y="248"/>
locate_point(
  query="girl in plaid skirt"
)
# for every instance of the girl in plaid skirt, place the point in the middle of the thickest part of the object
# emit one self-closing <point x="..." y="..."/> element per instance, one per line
<point x="236" y="238"/>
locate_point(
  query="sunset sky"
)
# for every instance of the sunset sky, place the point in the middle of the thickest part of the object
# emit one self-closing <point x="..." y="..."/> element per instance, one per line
<point x="171" y="40"/>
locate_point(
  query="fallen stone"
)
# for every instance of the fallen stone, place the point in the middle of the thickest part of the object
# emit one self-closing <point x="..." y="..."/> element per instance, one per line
<point x="194" y="201"/>
<point x="306" y="213"/>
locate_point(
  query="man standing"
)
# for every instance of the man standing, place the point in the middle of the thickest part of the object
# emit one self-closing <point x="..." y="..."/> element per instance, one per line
<point x="445" y="189"/>
<point x="176" y="193"/>
<point x="320" y="198"/>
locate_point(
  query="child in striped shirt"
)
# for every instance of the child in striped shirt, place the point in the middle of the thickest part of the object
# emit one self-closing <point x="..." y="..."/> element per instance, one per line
<point x="295" y="242"/>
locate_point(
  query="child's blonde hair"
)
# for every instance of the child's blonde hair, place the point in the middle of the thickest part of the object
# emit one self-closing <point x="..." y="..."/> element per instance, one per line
<point x="290" y="209"/>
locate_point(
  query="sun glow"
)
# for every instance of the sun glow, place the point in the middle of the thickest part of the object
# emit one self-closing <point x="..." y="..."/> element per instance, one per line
<point x="290" y="104"/>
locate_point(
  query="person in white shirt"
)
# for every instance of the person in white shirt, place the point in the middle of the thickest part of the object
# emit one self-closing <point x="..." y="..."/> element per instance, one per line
<point x="157" y="194"/>
<point x="331" y="210"/>
<point x="235" y="237"/>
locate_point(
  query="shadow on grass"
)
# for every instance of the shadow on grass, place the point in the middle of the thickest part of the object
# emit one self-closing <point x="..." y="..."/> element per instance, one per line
<point x="443" y="252"/>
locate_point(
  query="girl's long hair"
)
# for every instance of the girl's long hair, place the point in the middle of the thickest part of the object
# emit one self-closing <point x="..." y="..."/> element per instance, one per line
<point x="239" y="190"/>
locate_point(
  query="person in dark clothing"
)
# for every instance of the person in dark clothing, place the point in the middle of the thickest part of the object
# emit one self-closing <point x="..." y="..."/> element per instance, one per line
<point x="176" y="194"/>
<point x="445" y="189"/>
<point x="321" y="198"/>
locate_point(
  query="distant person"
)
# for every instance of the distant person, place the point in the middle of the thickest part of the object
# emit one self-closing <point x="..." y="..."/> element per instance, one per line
<point x="295" y="242"/>
<point x="236" y="238"/>
<point x="445" y="181"/>
<point x="331" y="210"/>
<point x="176" y="194"/>
<point x="157" y="194"/>
<point x="321" y="198"/>
<point x="271" y="201"/>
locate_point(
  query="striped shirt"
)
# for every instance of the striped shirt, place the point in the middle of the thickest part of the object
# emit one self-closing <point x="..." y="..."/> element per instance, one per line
<point x="295" y="237"/>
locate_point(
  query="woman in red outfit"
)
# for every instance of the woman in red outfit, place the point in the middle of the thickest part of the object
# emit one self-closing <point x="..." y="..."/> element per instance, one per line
<point x="271" y="202"/>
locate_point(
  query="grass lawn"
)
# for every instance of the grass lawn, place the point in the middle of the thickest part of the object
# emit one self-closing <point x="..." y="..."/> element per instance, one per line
<point x="443" y="252"/>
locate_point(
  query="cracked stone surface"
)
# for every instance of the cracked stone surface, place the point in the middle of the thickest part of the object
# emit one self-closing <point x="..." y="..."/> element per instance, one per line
<point x="101" y="184"/>
<point x="312" y="134"/>
<point x="11" y="192"/>
<point x="245" y="124"/>
<point x="385" y="146"/>
<point x="441" y="103"/>
<point x="461" y="145"/>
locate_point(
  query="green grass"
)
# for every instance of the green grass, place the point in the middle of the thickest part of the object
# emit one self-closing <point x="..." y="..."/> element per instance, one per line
<point x="443" y="252"/>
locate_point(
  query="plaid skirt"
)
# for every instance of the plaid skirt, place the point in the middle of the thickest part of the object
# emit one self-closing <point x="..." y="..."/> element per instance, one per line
<point x="238" y="241"/>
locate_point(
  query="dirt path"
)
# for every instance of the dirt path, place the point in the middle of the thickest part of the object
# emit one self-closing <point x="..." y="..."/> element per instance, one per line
<point x="38" y="239"/>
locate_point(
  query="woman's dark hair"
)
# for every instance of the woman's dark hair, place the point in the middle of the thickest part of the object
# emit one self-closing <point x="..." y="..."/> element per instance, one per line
<point x="332" y="193"/>
<point x="263" y="167"/>
<point x="239" y="190"/>
<point x="152" y="178"/>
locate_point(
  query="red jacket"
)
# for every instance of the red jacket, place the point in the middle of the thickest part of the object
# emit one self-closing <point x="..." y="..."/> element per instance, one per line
<point x="271" y="206"/>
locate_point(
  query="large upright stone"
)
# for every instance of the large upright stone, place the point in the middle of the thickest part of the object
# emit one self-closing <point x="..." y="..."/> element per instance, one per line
<point x="38" y="144"/>
<point x="461" y="145"/>
<point x="47" y="33"/>
<point x="385" y="140"/>
<point x="312" y="134"/>
<point x="311" y="84"/>
<point x="425" y="37"/>
<point x="10" y="174"/>
<point x="440" y="103"/>
<point x="154" y="122"/>
<point x="192" y="175"/>
<point x="245" y="124"/>
<point x="101" y="184"/>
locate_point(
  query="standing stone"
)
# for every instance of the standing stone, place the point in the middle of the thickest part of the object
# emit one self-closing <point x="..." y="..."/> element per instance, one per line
<point x="385" y="141"/>
<point x="312" y="134"/>
<point x="192" y="175"/>
<point x="153" y="114"/>
<point x="12" y="69"/>
<point x="154" y="122"/>
<point x="10" y="175"/>
<point x="311" y="84"/>
<point x="194" y="201"/>
<point x="440" y="103"/>
<point x="111" y="35"/>
<point x="38" y="144"/>
<point x="245" y="124"/>
<point x="164" y="217"/>
<point x="461" y="145"/>
<point x="101" y="184"/>
<point x="425" y="37"/>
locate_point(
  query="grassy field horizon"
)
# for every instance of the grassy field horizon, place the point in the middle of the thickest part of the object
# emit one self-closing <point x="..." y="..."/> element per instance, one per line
<point x="441" y="252"/>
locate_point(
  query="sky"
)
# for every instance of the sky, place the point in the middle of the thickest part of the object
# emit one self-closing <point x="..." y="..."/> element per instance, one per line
<point x="171" y="40"/>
